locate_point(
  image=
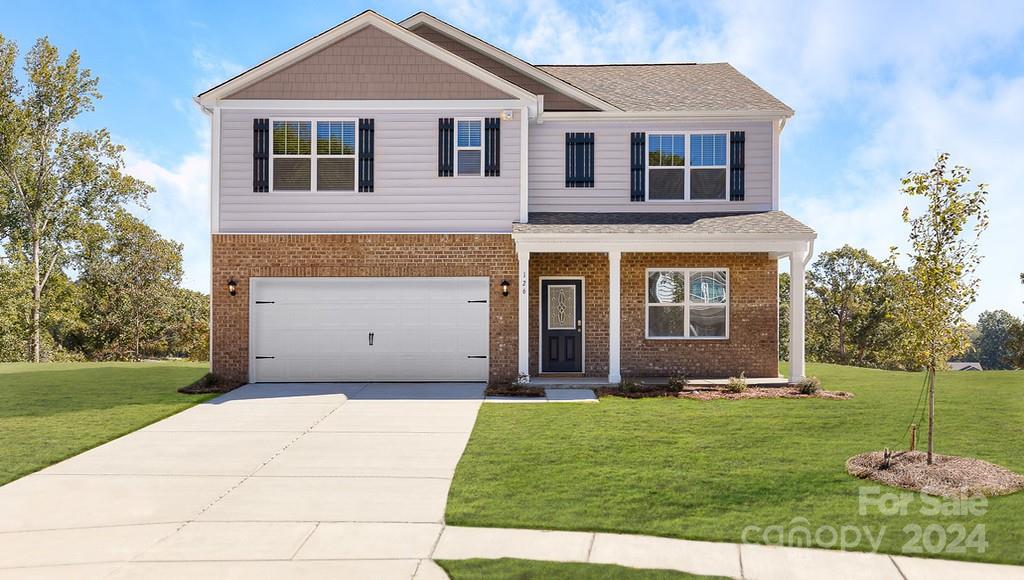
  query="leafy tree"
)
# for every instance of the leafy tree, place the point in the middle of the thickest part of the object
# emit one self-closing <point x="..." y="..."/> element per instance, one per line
<point x="129" y="275"/>
<point x="53" y="180"/>
<point x="940" y="283"/>
<point x="784" y="316"/>
<point x="839" y="280"/>
<point x="992" y="340"/>
<point x="188" y="329"/>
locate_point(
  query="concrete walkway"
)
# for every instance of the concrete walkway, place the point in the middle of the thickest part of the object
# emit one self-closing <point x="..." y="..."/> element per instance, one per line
<point x="332" y="481"/>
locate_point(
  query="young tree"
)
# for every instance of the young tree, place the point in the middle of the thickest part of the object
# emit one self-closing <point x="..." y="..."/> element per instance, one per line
<point x="940" y="283"/>
<point x="53" y="179"/>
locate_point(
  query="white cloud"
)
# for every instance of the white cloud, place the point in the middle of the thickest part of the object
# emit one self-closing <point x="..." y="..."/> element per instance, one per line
<point x="907" y="79"/>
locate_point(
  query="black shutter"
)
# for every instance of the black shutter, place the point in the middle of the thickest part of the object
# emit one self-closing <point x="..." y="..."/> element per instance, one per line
<point x="492" y="147"/>
<point x="365" y="154"/>
<point x="445" y="147"/>
<point x="737" y="151"/>
<point x="637" y="157"/>
<point x="579" y="160"/>
<point x="261" y="155"/>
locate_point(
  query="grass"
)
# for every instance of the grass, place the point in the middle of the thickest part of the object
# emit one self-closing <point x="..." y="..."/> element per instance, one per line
<point x="706" y="470"/>
<point x="512" y="569"/>
<point x="51" y="411"/>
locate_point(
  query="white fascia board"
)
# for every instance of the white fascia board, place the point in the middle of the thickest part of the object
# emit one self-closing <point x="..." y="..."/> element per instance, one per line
<point x="663" y="242"/>
<point x="369" y="105"/>
<point x="368" y="18"/>
<point x="666" y="115"/>
<point x="543" y="77"/>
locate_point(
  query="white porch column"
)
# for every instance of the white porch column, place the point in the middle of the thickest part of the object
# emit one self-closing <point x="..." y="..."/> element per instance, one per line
<point x="796" y="315"/>
<point x="614" y="316"/>
<point x="524" y="312"/>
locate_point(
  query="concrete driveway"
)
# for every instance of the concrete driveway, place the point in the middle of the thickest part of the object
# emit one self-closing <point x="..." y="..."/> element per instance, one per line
<point x="302" y="480"/>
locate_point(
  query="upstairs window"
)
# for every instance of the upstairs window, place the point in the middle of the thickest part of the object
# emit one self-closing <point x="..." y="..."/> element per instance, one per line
<point x="688" y="303"/>
<point x="666" y="167"/>
<point x="708" y="166"/>
<point x="336" y="155"/>
<point x="292" y="159"/>
<point x="468" y="147"/>
<point x="299" y="165"/>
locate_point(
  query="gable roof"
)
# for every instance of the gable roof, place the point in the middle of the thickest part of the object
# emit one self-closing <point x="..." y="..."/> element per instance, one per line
<point x="507" y="63"/>
<point x="714" y="87"/>
<point x="356" y="23"/>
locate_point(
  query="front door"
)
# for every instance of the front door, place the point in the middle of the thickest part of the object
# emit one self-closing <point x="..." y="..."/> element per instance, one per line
<point x="561" y="332"/>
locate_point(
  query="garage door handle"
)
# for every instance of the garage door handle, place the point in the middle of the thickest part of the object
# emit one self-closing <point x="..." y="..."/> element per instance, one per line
<point x="264" y="302"/>
<point x="262" y="357"/>
<point x="371" y="339"/>
<point x="477" y="356"/>
<point x="476" y="301"/>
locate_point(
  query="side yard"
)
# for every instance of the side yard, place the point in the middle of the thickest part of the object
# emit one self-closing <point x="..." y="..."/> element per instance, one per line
<point x="51" y="411"/>
<point x="709" y="470"/>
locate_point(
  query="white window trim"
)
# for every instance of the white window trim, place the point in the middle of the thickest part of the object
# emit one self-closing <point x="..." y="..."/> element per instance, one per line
<point x="686" y="304"/>
<point x="313" y="156"/>
<point x="687" y="167"/>
<point x="479" y="148"/>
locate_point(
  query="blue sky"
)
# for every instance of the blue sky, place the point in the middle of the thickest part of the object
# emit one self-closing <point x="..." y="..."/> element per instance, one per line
<point x="879" y="89"/>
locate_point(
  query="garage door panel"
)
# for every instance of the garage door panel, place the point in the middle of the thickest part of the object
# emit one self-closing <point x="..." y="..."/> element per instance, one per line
<point x="317" y="329"/>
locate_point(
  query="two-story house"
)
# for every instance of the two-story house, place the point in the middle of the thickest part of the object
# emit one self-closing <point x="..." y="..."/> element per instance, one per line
<point x="405" y="202"/>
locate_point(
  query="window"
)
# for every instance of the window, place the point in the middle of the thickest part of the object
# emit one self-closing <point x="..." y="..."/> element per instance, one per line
<point x="708" y="166"/>
<point x="336" y="155"/>
<point x="675" y="172"/>
<point x="666" y="166"/>
<point x="468" y="149"/>
<point x="299" y="166"/>
<point x="688" y="303"/>
<point x="292" y="159"/>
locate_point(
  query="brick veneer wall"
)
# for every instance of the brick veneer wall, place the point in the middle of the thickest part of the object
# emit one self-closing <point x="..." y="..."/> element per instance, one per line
<point x="594" y="269"/>
<point x="752" y="346"/>
<point x="241" y="256"/>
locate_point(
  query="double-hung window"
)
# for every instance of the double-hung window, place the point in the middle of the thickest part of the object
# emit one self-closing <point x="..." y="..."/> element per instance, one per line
<point x="688" y="303"/>
<point x="676" y="171"/>
<point x="469" y="147"/>
<point x="297" y="164"/>
<point x="707" y="166"/>
<point x="666" y="166"/>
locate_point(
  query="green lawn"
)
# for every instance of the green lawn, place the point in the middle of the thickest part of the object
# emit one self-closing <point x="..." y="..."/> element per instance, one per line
<point x="708" y="469"/>
<point x="511" y="569"/>
<point x="51" y="411"/>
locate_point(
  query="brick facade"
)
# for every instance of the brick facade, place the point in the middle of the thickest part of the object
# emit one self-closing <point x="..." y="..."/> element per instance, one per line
<point x="593" y="268"/>
<point x="752" y="347"/>
<point x="241" y="256"/>
<point x="753" y="343"/>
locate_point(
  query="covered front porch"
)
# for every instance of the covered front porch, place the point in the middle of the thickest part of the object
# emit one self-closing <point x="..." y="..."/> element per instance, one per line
<point x="591" y="286"/>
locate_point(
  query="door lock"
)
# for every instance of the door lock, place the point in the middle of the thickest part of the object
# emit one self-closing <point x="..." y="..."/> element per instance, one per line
<point x="371" y="339"/>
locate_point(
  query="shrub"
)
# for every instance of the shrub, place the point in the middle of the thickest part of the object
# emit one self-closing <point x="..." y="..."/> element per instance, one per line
<point x="737" y="384"/>
<point x="522" y="380"/>
<point x="809" y="386"/>
<point x="630" y="386"/>
<point x="678" y="382"/>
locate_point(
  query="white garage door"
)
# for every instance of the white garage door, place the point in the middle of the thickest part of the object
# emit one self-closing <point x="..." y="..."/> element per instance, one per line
<point x="368" y="329"/>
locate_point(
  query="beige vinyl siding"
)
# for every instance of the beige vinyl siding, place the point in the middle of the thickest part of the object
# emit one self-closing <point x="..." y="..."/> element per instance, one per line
<point x="408" y="195"/>
<point x="611" y="167"/>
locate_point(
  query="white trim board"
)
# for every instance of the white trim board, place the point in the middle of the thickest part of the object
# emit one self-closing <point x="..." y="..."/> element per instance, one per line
<point x="210" y="97"/>
<point x="369" y="105"/>
<point x="547" y="79"/>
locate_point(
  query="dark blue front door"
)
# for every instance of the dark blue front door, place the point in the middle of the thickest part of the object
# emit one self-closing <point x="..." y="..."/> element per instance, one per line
<point x="561" y="329"/>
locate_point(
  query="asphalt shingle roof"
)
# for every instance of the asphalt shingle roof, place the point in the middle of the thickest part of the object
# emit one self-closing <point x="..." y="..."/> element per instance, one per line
<point x="768" y="222"/>
<point x="670" y="87"/>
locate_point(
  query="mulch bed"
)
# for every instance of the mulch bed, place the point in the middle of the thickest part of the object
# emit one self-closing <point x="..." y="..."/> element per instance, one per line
<point x="949" y="476"/>
<point x="714" y="393"/>
<point x="762" y="393"/>
<point x="210" y="383"/>
<point x="513" y="391"/>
